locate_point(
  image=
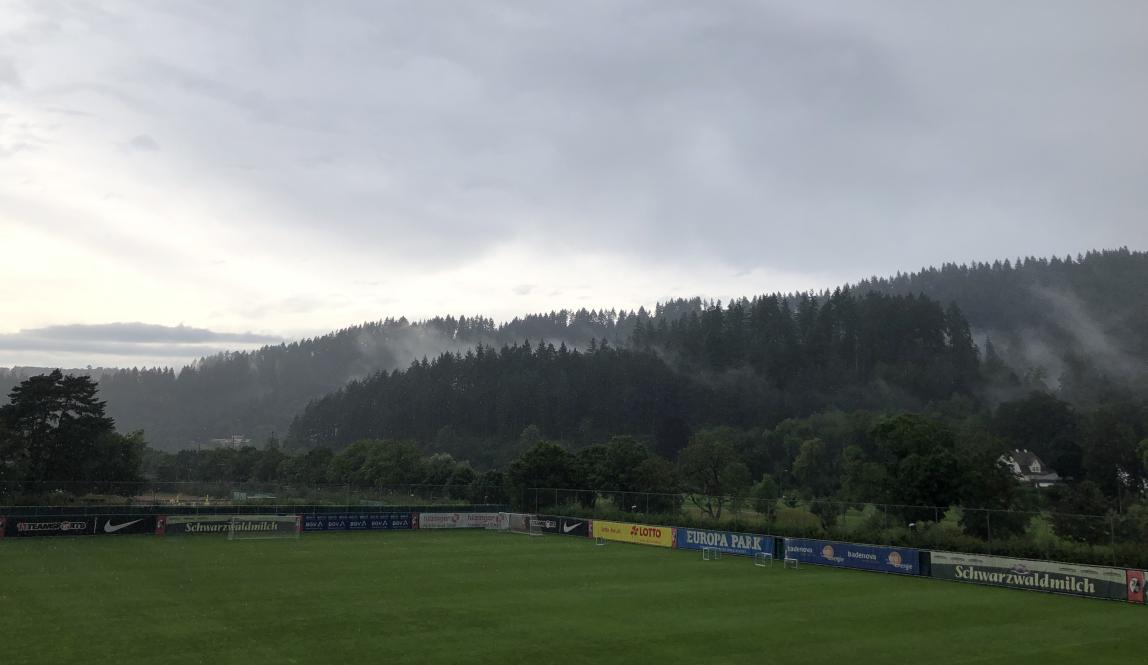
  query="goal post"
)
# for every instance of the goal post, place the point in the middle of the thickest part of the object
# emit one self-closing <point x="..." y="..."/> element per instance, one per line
<point x="790" y="562"/>
<point x="518" y="523"/>
<point x="763" y="560"/>
<point x="710" y="554"/>
<point x="264" y="527"/>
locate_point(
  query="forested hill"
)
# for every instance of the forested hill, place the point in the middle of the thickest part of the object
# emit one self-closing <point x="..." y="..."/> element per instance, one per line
<point x="1074" y="325"/>
<point x="255" y="394"/>
<point x="753" y="364"/>
<point x="1069" y="324"/>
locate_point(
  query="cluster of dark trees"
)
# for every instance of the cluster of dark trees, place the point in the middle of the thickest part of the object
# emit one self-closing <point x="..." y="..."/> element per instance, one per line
<point x="1072" y="326"/>
<point x="950" y="454"/>
<point x="752" y="363"/>
<point x="55" y="436"/>
<point x="54" y="431"/>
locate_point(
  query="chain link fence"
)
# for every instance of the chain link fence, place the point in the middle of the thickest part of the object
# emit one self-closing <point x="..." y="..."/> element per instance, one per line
<point x="1112" y="539"/>
<point x="196" y="493"/>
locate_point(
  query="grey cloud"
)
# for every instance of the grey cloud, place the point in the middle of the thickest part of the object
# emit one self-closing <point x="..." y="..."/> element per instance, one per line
<point x="802" y="137"/>
<point x="9" y="76"/>
<point x="122" y="336"/>
<point x="523" y="289"/>
<point x="143" y="142"/>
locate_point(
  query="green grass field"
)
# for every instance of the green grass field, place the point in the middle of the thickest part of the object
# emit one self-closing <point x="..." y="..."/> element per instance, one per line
<point x="481" y="597"/>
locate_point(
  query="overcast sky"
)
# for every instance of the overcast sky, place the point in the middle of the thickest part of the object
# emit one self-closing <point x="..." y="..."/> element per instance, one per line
<point x="255" y="171"/>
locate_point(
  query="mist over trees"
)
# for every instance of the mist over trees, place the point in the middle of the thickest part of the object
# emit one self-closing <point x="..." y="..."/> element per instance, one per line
<point x="749" y="364"/>
<point x="1068" y="326"/>
<point x="1072" y="325"/>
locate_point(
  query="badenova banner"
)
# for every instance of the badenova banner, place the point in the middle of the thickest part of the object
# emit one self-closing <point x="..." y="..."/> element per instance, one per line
<point x="356" y="521"/>
<point x="901" y="560"/>
<point x="641" y="534"/>
<point x="455" y="520"/>
<point x="1049" y="576"/>
<point x="746" y="544"/>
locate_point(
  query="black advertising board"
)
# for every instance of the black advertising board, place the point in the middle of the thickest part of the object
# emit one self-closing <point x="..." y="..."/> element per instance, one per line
<point x="114" y="525"/>
<point x="23" y="526"/>
<point x="544" y="523"/>
<point x="566" y="526"/>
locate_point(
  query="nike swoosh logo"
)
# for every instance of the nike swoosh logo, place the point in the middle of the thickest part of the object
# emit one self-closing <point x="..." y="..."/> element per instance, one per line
<point x="568" y="529"/>
<point x="110" y="528"/>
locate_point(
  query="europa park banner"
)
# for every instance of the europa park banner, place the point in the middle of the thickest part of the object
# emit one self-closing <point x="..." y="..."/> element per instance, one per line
<point x="745" y="544"/>
<point x="641" y="534"/>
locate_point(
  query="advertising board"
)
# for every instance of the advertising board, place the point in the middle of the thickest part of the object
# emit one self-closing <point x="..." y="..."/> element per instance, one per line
<point x="745" y="544"/>
<point x="1033" y="575"/>
<point x="574" y="526"/>
<point x="24" y="526"/>
<point x="455" y="520"/>
<point x="180" y="525"/>
<point x="900" y="560"/>
<point x="1136" y="590"/>
<point x="118" y="525"/>
<point x="544" y="523"/>
<point x="641" y="534"/>
<point x="357" y="521"/>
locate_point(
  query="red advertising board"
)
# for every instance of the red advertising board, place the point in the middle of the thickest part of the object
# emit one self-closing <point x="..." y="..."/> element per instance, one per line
<point x="1136" y="586"/>
<point x="160" y="525"/>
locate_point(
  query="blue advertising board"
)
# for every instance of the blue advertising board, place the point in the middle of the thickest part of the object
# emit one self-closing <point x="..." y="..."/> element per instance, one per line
<point x="901" y="560"/>
<point x="746" y="544"/>
<point x="356" y="521"/>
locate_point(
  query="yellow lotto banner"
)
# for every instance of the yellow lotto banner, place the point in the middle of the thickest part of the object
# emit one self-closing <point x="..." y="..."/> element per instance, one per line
<point x="642" y="534"/>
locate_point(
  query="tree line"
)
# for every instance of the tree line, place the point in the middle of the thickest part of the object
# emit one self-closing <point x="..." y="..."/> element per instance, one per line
<point x="749" y="364"/>
<point x="1072" y="326"/>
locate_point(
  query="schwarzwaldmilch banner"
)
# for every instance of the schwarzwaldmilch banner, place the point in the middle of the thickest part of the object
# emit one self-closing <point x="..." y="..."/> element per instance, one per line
<point x="1048" y="576"/>
<point x="178" y="525"/>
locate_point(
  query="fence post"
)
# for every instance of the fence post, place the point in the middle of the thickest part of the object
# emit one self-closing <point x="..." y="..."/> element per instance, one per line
<point x="989" y="532"/>
<point x="1112" y="534"/>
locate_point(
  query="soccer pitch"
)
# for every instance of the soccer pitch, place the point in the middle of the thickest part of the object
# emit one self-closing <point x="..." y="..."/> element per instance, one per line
<point x="482" y="597"/>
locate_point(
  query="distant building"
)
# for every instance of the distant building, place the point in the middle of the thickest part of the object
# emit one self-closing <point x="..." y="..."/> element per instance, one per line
<point x="233" y="441"/>
<point x="1029" y="468"/>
